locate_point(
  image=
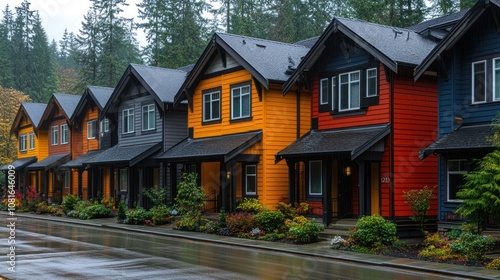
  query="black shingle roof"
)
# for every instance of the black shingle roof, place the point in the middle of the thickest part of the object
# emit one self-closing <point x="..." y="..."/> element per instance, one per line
<point x="34" y="111"/>
<point x="220" y="147"/>
<point x="351" y="141"/>
<point x="68" y="102"/>
<point x="130" y="155"/>
<point x="50" y="162"/>
<point x="101" y="95"/>
<point x="470" y="137"/>
<point x="164" y="83"/>
<point x="79" y="161"/>
<point x="19" y="164"/>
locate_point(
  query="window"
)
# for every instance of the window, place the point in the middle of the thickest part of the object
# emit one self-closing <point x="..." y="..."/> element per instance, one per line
<point x="66" y="179"/>
<point x="148" y="117"/>
<point x="456" y="171"/>
<point x="123" y="180"/>
<point x="211" y="106"/>
<point x="371" y="82"/>
<point x="323" y="91"/>
<point x="315" y="177"/>
<point x="22" y="142"/>
<point x="496" y="79"/>
<point x="54" y="132"/>
<point x="251" y="179"/>
<point x="128" y="121"/>
<point x="32" y="140"/>
<point x="92" y="129"/>
<point x="349" y="91"/>
<point x="479" y="82"/>
<point x="104" y="127"/>
<point x="334" y="91"/>
<point x="64" y="134"/>
<point x="240" y="102"/>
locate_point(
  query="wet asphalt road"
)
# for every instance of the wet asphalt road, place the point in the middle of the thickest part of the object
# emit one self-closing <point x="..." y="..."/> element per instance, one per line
<point x="52" y="250"/>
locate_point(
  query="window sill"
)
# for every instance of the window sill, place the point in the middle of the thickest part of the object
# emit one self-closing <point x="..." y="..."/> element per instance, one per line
<point x="129" y="134"/>
<point x="149" y="131"/>
<point x="211" y="122"/>
<point x="356" y="112"/>
<point x="241" y="120"/>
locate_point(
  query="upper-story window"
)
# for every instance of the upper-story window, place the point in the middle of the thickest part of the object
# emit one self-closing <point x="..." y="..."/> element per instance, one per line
<point x="54" y="135"/>
<point x="251" y="179"/>
<point x="496" y="79"/>
<point x="104" y="127"/>
<point x="323" y="91"/>
<point x="148" y="117"/>
<point x="371" y="82"/>
<point x="240" y="101"/>
<point x="349" y="91"/>
<point x="92" y="129"/>
<point x="64" y="134"/>
<point x="31" y="140"/>
<point x="128" y="121"/>
<point x="457" y="168"/>
<point x="211" y="105"/>
<point x="479" y="82"/>
<point x="22" y="142"/>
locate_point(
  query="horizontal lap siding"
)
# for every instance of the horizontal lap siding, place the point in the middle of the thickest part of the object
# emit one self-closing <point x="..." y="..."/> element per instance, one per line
<point x="415" y="127"/>
<point x="139" y="137"/>
<point x="175" y="128"/>
<point x="90" y="144"/>
<point x="59" y="148"/>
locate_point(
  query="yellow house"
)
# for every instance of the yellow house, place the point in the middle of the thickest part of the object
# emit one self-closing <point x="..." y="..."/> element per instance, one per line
<point x="32" y="144"/>
<point x="238" y="119"/>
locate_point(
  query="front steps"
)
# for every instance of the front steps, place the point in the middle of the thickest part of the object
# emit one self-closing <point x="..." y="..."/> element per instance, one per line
<point x="339" y="228"/>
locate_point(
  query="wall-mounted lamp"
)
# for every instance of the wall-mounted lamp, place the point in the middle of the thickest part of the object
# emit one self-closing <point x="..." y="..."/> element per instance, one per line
<point x="228" y="174"/>
<point x="459" y="120"/>
<point x="347" y="171"/>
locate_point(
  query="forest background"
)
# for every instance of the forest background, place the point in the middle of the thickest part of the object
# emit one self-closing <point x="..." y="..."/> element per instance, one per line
<point x="176" y="31"/>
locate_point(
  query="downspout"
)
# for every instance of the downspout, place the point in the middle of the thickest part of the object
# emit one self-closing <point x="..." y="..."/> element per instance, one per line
<point x="391" y="145"/>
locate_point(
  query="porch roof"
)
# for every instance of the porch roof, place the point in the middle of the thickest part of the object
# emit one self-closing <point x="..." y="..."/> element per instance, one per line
<point x="351" y="141"/>
<point x="467" y="137"/>
<point x="224" y="147"/>
<point x="19" y="163"/>
<point x="50" y="162"/>
<point x="130" y="155"/>
<point x="79" y="161"/>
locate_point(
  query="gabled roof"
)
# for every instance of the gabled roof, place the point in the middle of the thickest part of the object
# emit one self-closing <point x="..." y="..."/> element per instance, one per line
<point x="267" y="61"/>
<point x="467" y="21"/>
<point x="50" y="162"/>
<point x="352" y="141"/>
<point x="161" y="83"/>
<point x="440" y="23"/>
<point x="217" y="148"/>
<point x="19" y="164"/>
<point x="129" y="155"/>
<point x="390" y="45"/>
<point x="79" y="161"/>
<point x="33" y="111"/>
<point x="466" y="138"/>
<point x="66" y="102"/>
<point x="99" y="95"/>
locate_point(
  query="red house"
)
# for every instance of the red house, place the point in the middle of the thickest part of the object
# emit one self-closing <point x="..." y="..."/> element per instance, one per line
<point x="369" y="121"/>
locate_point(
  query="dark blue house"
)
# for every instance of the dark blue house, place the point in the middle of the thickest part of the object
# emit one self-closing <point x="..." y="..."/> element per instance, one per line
<point x="467" y="63"/>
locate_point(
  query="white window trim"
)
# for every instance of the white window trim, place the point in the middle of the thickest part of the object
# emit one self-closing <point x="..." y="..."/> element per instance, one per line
<point x="23" y="142"/>
<point x="130" y="114"/>
<point x="64" y="141"/>
<point x="212" y="100"/>
<point x="54" y="139"/>
<point x="104" y="126"/>
<point x="250" y="175"/>
<point x="349" y="82"/>
<point x="334" y="91"/>
<point x="473" y="85"/>
<point x="147" y="109"/>
<point x="310" y="177"/>
<point x="448" y="172"/>
<point x="321" y="93"/>
<point x="367" y="83"/>
<point x="67" y="179"/>
<point x="241" y="99"/>
<point x="89" y="129"/>
<point x="494" y="80"/>
<point x="31" y="140"/>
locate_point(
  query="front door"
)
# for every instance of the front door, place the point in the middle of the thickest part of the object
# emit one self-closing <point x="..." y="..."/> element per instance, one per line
<point x="375" y="188"/>
<point x="344" y="190"/>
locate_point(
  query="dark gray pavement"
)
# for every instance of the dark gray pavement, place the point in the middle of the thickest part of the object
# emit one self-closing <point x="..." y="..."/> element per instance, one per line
<point x="320" y="249"/>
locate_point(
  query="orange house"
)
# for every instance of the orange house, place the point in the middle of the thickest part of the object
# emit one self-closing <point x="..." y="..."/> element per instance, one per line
<point x="55" y="122"/>
<point x="87" y="132"/>
<point x="238" y="119"/>
<point x="32" y="144"/>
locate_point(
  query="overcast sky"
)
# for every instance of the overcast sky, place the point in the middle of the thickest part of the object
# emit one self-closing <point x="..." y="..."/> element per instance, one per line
<point x="60" y="14"/>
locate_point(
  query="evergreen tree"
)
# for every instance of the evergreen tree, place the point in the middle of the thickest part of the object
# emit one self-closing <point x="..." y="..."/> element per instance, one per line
<point x="88" y="49"/>
<point x="393" y="13"/>
<point x="6" y="75"/>
<point x="446" y="7"/>
<point x="153" y="13"/>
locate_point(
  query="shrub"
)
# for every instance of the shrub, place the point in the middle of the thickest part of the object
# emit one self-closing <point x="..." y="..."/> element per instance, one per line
<point x="158" y="196"/>
<point x="303" y="208"/>
<point x="108" y="202"/>
<point x="304" y="232"/>
<point x="122" y="212"/>
<point x="42" y="207"/>
<point x="273" y="236"/>
<point x="473" y="246"/>
<point x="69" y="202"/>
<point x="494" y="264"/>
<point x="32" y="198"/>
<point x="288" y="211"/>
<point x="270" y="221"/>
<point x="250" y="205"/>
<point x="160" y="215"/>
<point x="190" y="201"/>
<point x="372" y="232"/>
<point x="137" y="216"/>
<point x="94" y="211"/>
<point x="419" y="202"/>
<point x="240" y="223"/>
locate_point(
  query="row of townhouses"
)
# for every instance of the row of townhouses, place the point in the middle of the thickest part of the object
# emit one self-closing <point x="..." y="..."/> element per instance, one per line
<point x="347" y="121"/>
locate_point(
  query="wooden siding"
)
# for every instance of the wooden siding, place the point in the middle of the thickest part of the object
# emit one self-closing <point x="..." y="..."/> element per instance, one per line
<point x="275" y="115"/>
<point x="415" y="127"/>
<point x="92" y="113"/>
<point x="41" y="149"/>
<point x="217" y="65"/>
<point x="139" y="137"/>
<point x="59" y="148"/>
<point x="175" y="128"/>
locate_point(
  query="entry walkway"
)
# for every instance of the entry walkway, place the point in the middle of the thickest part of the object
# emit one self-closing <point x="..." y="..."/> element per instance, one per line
<point x="319" y="249"/>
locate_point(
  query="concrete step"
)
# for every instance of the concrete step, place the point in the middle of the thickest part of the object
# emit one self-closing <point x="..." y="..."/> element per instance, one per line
<point x="329" y="234"/>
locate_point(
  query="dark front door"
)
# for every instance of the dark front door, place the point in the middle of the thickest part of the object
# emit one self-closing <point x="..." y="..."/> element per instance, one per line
<point x="345" y="191"/>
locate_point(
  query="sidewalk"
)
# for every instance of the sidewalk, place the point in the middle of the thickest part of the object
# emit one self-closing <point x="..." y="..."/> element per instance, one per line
<point x="319" y="249"/>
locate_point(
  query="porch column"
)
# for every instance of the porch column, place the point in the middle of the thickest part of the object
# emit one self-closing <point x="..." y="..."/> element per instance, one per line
<point x="223" y="186"/>
<point x="111" y="181"/>
<point x="45" y="180"/>
<point x="173" y="182"/>
<point x="291" y="181"/>
<point x="80" y="187"/>
<point x="327" y="192"/>
<point x="160" y="176"/>
<point x="141" y="178"/>
<point x="361" y="188"/>
<point x="232" y="184"/>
